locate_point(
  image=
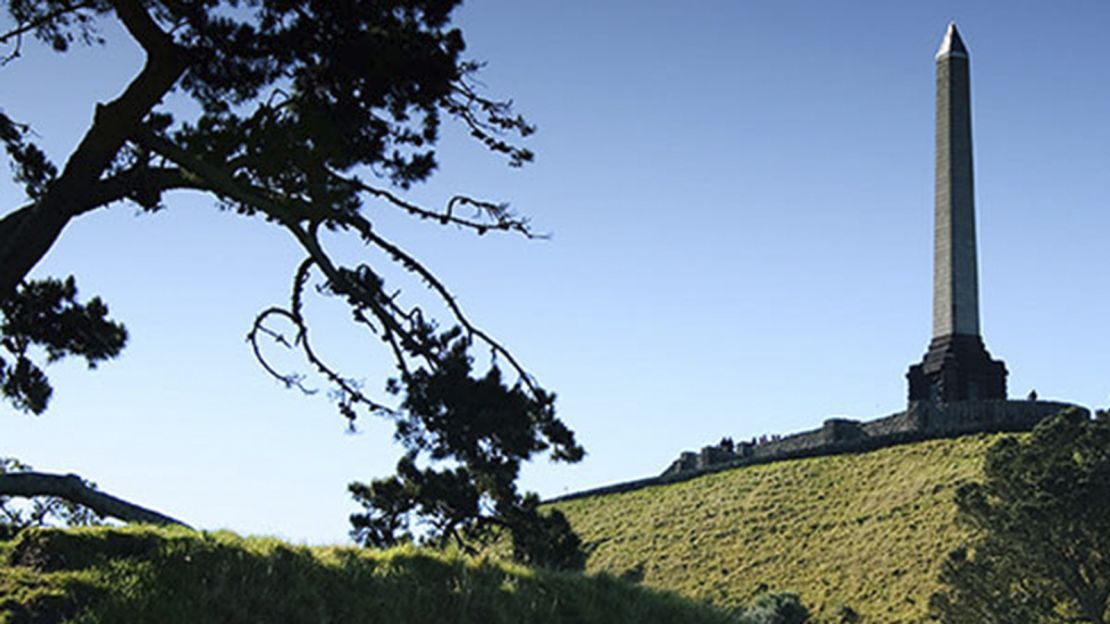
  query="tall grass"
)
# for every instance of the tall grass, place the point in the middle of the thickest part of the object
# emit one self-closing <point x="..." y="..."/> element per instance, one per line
<point x="173" y="575"/>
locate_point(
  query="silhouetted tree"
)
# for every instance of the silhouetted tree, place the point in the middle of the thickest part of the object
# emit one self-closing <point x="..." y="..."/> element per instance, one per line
<point x="452" y="414"/>
<point x="1041" y="551"/>
<point x="307" y="111"/>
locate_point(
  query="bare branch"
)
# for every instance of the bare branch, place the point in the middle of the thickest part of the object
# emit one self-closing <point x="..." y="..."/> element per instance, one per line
<point x="294" y="315"/>
<point x="72" y="488"/>
<point x="501" y="218"/>
<point x="16" y="52"/>
<point x="292" y="213"/>
<point x="258" y="327"/>
<point x="413" y="265"/>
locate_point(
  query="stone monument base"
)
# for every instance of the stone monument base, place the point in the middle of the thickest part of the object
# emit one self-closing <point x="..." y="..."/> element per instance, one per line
<point x="957" y="367"/>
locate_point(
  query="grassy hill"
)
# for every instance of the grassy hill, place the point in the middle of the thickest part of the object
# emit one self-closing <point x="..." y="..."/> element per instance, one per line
<point x="167" y="576"/>
<point x="868" y="530"/>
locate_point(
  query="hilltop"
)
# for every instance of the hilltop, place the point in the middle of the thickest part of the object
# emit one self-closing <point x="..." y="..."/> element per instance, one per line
<point x="867" y="531"/>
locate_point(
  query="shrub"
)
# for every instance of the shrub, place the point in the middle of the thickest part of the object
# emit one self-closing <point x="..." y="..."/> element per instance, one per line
<point x="776" y="608"/>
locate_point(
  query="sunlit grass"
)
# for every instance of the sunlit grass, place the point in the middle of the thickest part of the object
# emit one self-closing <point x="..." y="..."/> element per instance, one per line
<point x="174" y="575"/>
<point x="867" y="530"/>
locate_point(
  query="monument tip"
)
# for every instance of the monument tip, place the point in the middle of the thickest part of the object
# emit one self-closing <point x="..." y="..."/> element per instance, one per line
<point x="952" y="45"/>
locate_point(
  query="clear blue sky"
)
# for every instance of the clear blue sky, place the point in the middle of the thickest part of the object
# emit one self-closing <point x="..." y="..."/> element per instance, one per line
<point x="740" y="197"/>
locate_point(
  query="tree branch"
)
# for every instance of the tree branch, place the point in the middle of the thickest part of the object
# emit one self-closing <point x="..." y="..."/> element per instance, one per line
<point x="73" y="489"/>
<point x="411" y="264"/>
<point x="294" y="315"/>
<point x="36" y="231"/>
<point x="218" y="180"/>
<point x="293" y="214"/>
<point x="499" y="215"/>
<point x="143" y="28"/>
<point x="125" y="185"/>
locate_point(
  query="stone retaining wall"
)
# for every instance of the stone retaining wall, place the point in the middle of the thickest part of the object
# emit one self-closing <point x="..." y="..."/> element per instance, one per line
<point x="921" y="421"/>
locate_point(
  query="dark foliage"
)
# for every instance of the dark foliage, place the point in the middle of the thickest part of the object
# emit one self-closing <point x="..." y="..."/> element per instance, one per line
<point x="30" y="166"/>
<point x="46" y="314"/>
<point x="1042" y="524"/>
<point x="776" y="608"/>
<point x="484" y="429"/>
<point x="308" y="111"/>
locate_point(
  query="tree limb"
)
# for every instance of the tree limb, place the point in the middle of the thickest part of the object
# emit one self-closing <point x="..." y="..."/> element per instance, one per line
<point x="292" y="213"/>
<point x="125" y="185"/>
<point x="218" y="180"/>
<point x="498" y="215"/>
<point x="37" y="230"/>
<point x="144" y="29"/>
<point x="73" y="489"/>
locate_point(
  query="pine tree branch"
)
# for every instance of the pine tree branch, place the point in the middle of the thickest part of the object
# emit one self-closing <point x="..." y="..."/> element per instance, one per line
<point x="36" y="231"/>
<point x="125" y="185"/>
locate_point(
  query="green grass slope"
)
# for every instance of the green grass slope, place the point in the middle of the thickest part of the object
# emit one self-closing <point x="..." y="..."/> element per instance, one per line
<point x="167" y="576"/>
<point x="866" y="530"/>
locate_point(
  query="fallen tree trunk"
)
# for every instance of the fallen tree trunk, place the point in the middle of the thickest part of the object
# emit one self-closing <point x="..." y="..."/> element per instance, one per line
<point x="72" y="488"/>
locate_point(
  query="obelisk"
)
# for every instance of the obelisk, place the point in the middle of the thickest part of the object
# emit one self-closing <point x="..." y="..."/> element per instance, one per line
<point x="957" y="366"/>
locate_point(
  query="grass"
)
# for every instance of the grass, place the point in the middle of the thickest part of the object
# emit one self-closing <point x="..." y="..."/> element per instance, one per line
<point x="867" y="531"/>
<point x="145" y="574"/>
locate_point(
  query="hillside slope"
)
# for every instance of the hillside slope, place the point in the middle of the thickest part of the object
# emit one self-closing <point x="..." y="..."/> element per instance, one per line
<point x="166" y="576"/>
<point x="866" y="530"/>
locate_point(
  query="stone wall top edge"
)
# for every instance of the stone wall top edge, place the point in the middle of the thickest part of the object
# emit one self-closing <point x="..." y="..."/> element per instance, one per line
<point x="1016" y="411"/>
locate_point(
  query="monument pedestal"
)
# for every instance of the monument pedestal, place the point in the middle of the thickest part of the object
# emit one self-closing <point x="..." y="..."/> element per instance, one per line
<point x="957" y="367"/>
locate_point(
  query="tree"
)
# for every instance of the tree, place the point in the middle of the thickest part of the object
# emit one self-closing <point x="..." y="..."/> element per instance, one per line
<point x="1041" y="516"/>
<point x="452" y="414"/>
<point x="309" y="111"/>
